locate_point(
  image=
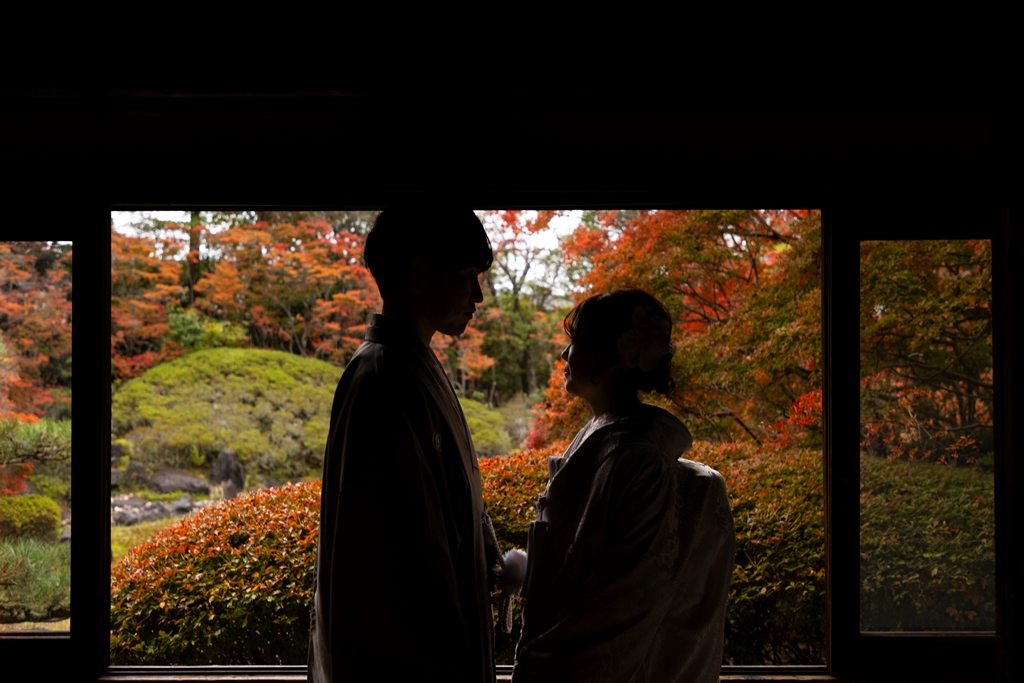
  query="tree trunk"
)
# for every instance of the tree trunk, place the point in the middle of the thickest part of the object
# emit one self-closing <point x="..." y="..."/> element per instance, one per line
<point x="193" y="255"/>
<point x="527" y="375"/>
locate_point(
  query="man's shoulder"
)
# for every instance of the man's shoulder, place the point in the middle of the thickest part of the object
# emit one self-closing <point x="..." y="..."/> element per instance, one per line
<point x="367" y="358"/>
<point x="378" y="368"/>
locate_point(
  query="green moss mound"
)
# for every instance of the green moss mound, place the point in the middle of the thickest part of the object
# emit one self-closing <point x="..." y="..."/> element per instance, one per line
<point x="31" y="516"/>
<point x="231" y="584"/>
<point x="487" y="427"/>
<point x="272" y="408"/>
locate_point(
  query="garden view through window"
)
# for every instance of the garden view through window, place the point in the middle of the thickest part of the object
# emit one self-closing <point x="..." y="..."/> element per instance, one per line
<point x="35" y="436"/>
<point x="927" y="488"/>
<point x="229" y="332"/>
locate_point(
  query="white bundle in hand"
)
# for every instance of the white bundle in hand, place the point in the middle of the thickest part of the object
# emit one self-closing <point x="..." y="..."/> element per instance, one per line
<point x="513" y="574"/>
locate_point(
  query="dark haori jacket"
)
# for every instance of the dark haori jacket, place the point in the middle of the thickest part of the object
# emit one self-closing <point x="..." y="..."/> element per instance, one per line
<point x="629" y="560"/>
<point x="401" y="581"/>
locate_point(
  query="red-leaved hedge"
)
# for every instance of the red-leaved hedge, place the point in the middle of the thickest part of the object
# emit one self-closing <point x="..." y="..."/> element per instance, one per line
<point x="777" y="598"/>
<point x="231" y="584"/>
<point x="776" y="612"/>
<point x="511" y="485"/>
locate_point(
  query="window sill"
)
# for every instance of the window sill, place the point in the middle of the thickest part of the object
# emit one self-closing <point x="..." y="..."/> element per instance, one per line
<point x="295" y="674"/>
<point x="501" y="678"/>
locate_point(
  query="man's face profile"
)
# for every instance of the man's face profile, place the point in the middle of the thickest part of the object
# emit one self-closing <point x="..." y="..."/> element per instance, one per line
<point x="451" y="297"/>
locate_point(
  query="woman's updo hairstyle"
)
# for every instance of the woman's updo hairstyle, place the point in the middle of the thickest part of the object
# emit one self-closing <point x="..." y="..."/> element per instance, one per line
<point x="629" y="323"/>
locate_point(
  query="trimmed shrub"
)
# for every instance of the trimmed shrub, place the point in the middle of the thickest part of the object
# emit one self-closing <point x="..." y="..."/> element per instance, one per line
<point x="927" y="546"/>
<point x="776" y="612"/>
<point x="511" y="485"/>
<point x="777" y="597"/>
<point x="57" y="489"/>
<point x="31" y="516"/>
<point x="231" y="584"/>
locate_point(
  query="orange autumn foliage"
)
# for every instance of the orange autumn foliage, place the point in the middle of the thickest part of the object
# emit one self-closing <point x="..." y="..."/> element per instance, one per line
<point x="743" y="288"/>
<point x="35" y="328"/>
<point x="144" y="283"/>
<point x="299" y="288"/>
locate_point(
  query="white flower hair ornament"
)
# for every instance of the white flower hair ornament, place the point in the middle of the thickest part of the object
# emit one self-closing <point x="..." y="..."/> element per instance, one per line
<point x="647" y="342"/>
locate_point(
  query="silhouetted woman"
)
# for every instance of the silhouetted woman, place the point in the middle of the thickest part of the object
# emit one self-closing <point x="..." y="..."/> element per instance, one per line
<point x="630" y="557"/>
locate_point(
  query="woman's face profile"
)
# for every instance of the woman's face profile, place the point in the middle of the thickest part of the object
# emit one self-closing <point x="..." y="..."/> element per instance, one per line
<point x="596" y="376"/>
<point x="582" y="370"/>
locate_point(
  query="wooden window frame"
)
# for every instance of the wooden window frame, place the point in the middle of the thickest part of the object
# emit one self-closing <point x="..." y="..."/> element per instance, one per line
<point x="853" y="653"/>
<point x="83" y="655"/>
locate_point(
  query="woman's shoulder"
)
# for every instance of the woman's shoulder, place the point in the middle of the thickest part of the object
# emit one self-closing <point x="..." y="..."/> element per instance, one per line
<point x="709" y="476"/>
<point x="646" y="427"/>
<point x="642" y="440"/>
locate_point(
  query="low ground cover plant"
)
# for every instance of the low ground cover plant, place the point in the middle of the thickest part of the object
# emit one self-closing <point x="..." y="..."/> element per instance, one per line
<point x="35" y="580"/>
<point x="511" y="485"/>
<point x="927" y="546"/>
<point x="124" y="538"/>
<point x="203" y="590"/>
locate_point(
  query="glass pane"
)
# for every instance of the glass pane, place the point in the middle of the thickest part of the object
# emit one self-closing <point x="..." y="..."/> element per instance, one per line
<point x="926" y="510"/>
<point x="201" y="300"/>
<point x="219" y="418"/>
<point x="35" y="436"/>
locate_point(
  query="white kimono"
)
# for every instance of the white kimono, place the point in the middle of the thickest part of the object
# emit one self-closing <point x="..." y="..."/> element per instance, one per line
<point x="401" y="579"/>
<point x="629" y="560"/>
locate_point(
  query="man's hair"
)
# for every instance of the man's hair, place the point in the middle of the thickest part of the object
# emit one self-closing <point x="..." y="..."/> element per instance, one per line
<point x="443" y="238"/>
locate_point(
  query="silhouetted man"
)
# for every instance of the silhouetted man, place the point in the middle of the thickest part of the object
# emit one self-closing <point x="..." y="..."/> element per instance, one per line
<point x="401" y="577"/>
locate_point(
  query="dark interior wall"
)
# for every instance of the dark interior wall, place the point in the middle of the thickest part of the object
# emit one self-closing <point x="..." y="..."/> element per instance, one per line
<point x="213" y="147"/>
<point x="69" y="155"/>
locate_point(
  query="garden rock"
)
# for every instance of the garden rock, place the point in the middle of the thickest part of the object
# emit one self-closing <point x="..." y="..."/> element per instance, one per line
<point x="115" y="477"/>
<point x="65" y="535"/>
<point x="125" y="516"/>
<point x="126" y="510"/>
<point x="227" y="467"/>
<point x="153" y="511"/>
<point x="183" y="505"/>
<point x="134" y="475"/>
<point x="129" y="512"/>
<point x="230" y="490"/>
<point x="116" y="453"/>
<point x="169" y="480"/>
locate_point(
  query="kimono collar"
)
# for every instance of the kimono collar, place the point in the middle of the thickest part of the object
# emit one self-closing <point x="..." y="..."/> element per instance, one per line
<point x="392" y="331"/>
<point x="389" y="330"/>
<point x="642" y="422"/>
